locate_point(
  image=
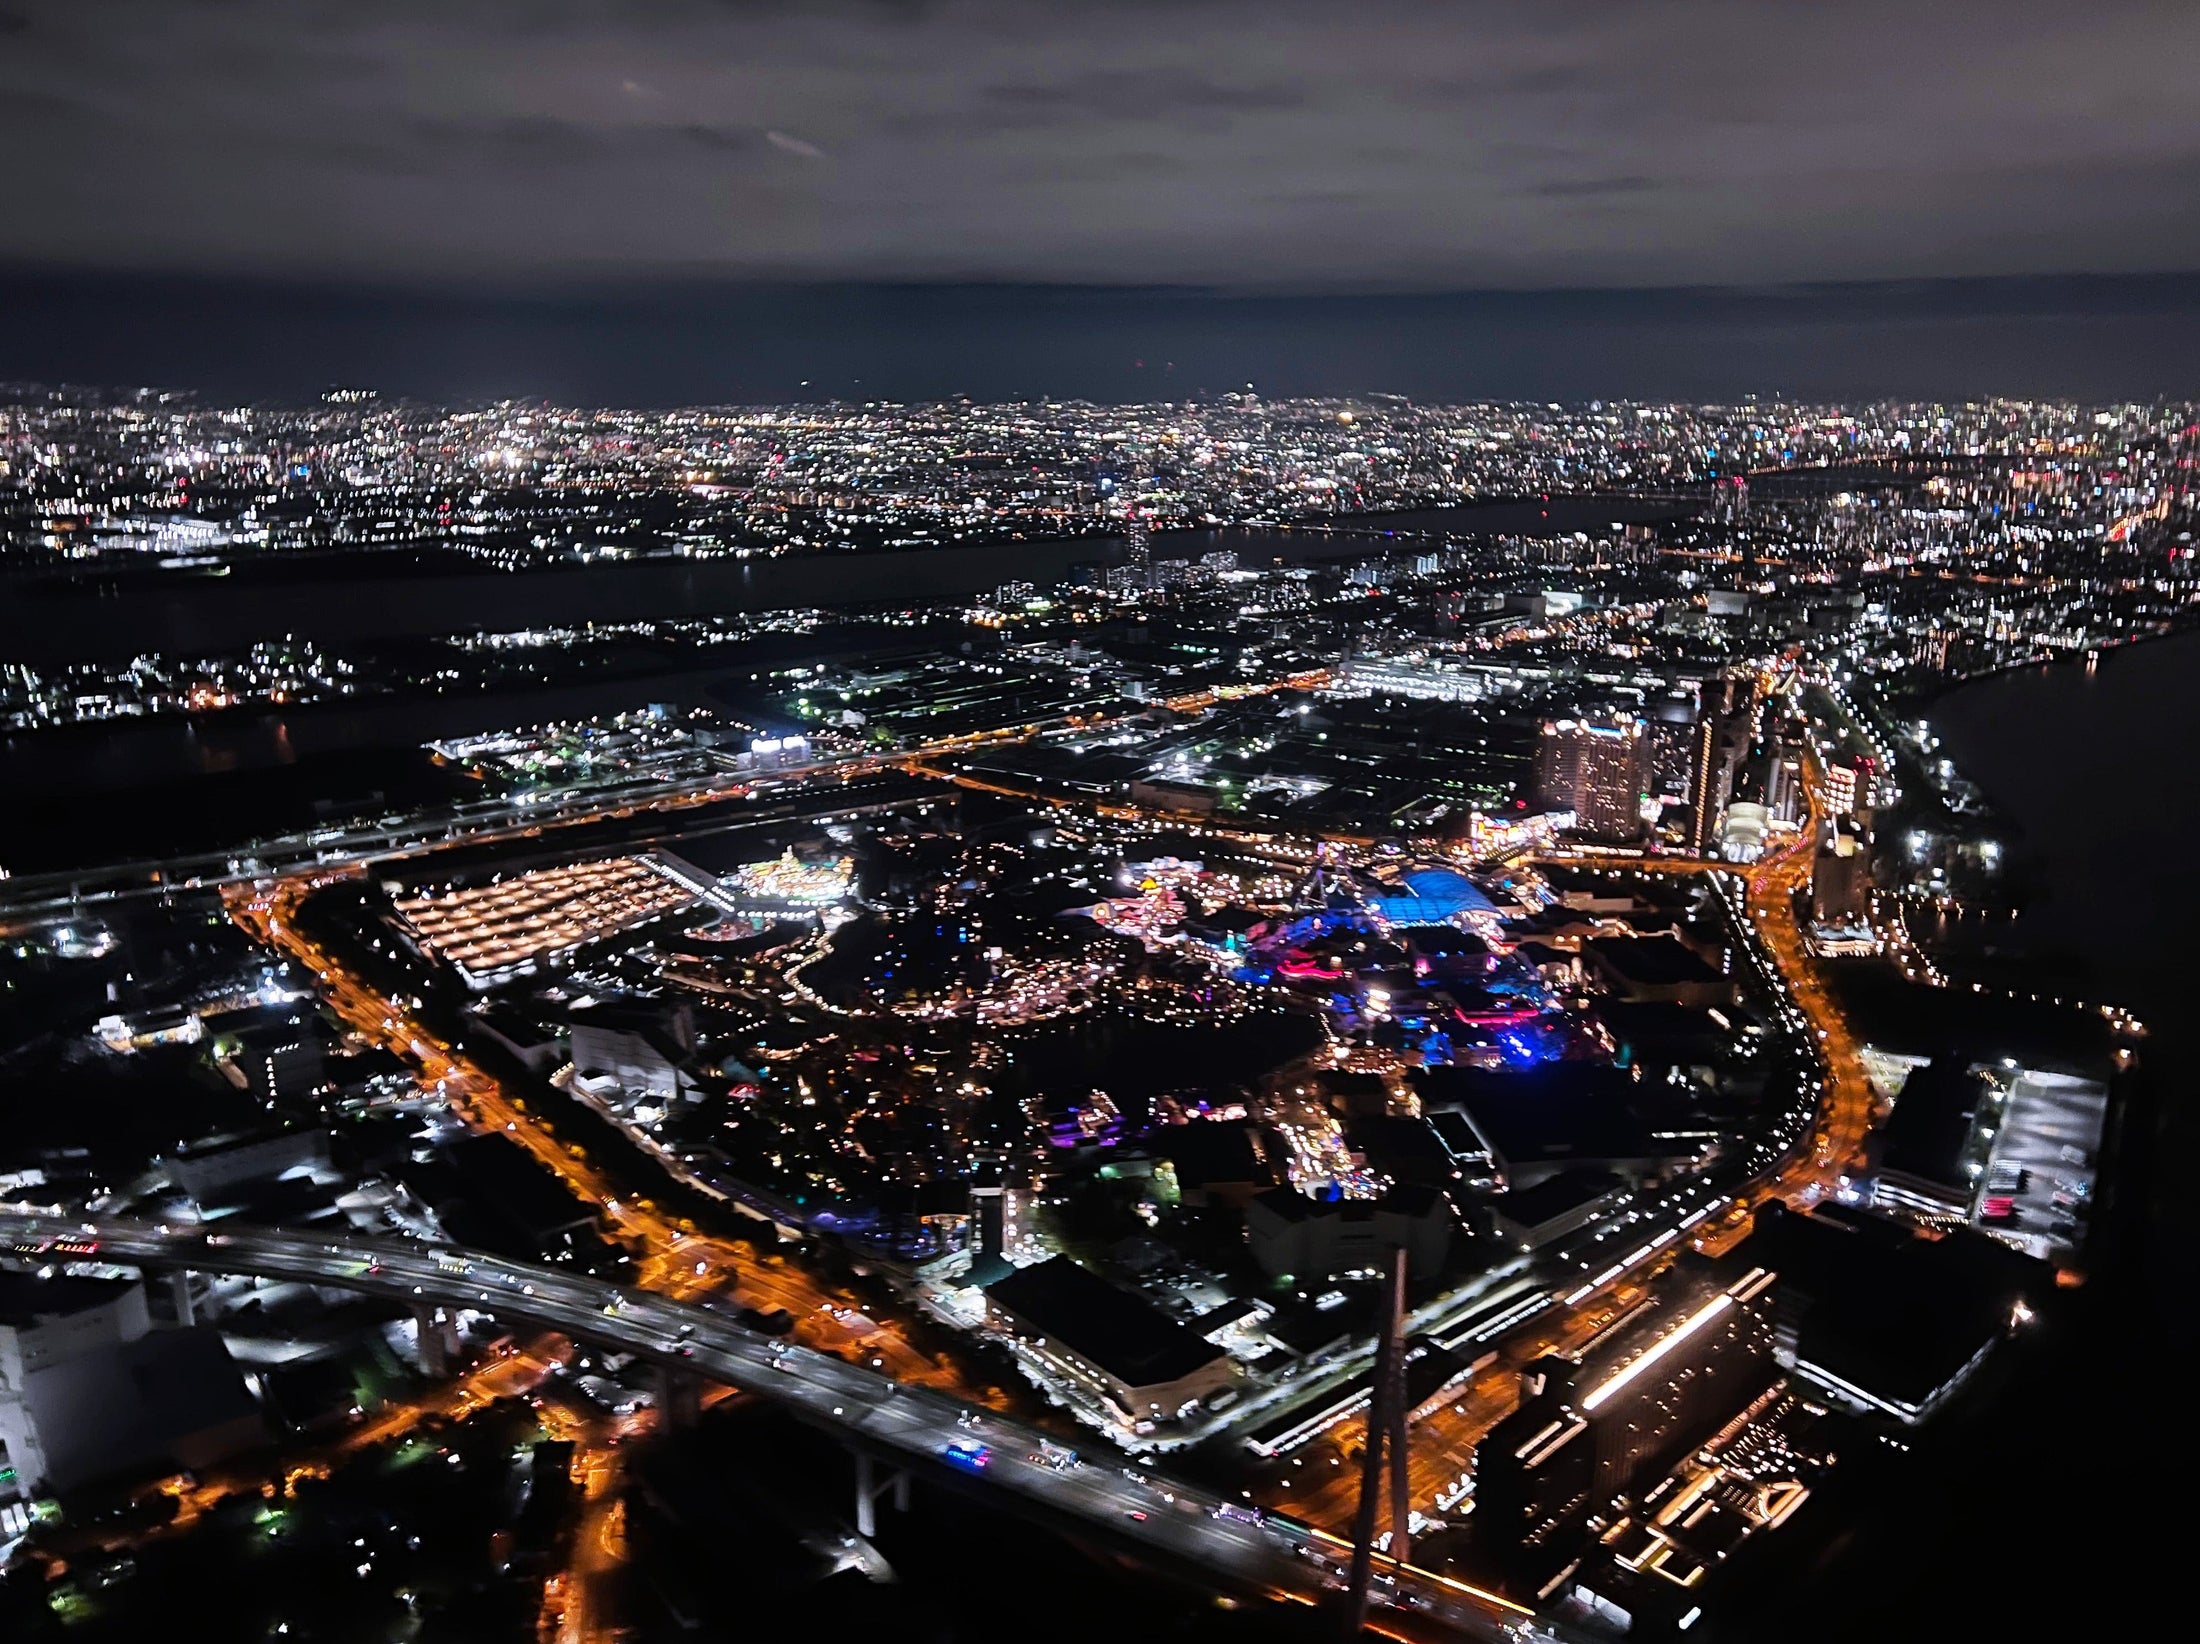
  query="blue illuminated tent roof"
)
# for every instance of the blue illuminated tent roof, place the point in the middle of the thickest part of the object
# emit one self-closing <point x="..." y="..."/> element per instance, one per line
<point x="1429" y="895"/>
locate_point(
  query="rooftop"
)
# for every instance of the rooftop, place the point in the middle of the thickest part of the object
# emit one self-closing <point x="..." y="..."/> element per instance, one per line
<point x="1548" y="1200"/>
<point x="1883" y="1308"/>
<point x="1124" y="1335"/>
<point x="27" y="1301"/>
<point x="1652" y="961"/>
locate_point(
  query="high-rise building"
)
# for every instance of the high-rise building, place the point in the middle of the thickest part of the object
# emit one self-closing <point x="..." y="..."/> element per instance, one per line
<point x="1589" y="1433"/>
<point x="1670" y="725"/>
<point x="1785" y="798"/>
<point x="1841" y="880"/>
<point x="1597" y="770"/>
<point x="1721" y="743"/>
<point x="1852" y="786"/>
<point x="1706" y="790"/>
<point x="1137" y="548"/>
<point x="1840" y="787"/>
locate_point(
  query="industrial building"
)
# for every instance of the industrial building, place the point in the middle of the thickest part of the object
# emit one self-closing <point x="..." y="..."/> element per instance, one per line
<point x="89" y="1389"/>
<point x="1589" y="1433"/>
<point x="1116" y="1346"/>
<point x="1885" y="1320"/>
<point x="1293" y="1235"/>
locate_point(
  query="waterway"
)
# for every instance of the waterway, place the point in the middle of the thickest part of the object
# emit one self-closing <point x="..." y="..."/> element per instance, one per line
<point x="2100" y="769"/>
<point x="2036" y="1510"/>
<point x="354" y="600"/>
<point x="353" y="604"/>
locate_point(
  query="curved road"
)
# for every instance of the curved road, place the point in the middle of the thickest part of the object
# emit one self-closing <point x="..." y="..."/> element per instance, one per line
<point x="873" y="1414"/>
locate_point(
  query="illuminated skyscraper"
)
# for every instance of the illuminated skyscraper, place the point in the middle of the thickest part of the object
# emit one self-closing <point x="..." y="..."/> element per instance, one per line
<point x="1137" y="549"/>
<point x="1721" y="742"/>
<point x="1840" y="787"/>
<point x="1841" y="880"/>
<point x="1597" y="770"/>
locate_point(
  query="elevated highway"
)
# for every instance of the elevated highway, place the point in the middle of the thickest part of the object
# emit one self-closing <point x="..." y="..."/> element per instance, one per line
<point x="504" y="819"/>
<point x="910" y="1429"/>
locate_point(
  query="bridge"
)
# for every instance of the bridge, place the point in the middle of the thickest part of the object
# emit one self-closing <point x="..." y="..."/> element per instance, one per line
<point x="1206" y="1537"/>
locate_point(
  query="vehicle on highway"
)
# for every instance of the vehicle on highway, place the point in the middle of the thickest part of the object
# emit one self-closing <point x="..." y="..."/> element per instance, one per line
<point x="972" y="1458"/>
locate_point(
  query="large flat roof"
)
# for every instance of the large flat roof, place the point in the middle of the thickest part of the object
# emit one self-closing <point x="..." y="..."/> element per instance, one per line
<point x="1557" y="1110"/>
<point x="1125" y="1335"/>
<point x="27" y="1300"/>
<point x="1886" y="1309"/>
<point x="1930" y="1126"/>
<point x="1653" y="961"/>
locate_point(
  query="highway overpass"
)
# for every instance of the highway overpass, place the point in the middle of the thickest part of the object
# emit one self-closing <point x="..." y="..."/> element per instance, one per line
<point x="907" y="1428"/>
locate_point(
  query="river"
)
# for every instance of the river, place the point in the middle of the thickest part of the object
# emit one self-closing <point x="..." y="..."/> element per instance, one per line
<point x="350" y="600"/>
<point x="351" y="604"/>
<point x="2100" y="769"/>
<point x="2031" y="1511"/>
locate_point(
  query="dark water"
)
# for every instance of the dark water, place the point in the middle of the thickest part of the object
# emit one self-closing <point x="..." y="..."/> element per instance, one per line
<point x="213" y="615"/>
<point x="2101" y="770"/>
<point x="2035" y="1512"/>
<point x="76" y="761"/>
<point x="353" y="601"/>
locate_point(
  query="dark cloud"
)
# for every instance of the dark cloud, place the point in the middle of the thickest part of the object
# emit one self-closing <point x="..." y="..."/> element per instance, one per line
<point x="1111" y="95"/>
<point x="1377" y="145"/>
<point x="1579" y="188"/>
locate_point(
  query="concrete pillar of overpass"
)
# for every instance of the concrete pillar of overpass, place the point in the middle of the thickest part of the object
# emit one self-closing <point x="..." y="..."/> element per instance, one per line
<point x="679" y="1398"/>
<point x="438" y="1339"/>
<point x="179" y="1297"/>
<point x="869" y="1487"/>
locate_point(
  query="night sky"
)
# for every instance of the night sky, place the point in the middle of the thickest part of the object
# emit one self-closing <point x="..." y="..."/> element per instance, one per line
<point x="684" y="199"/>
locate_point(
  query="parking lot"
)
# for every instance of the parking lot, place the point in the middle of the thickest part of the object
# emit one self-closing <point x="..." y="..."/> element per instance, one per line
<point x="2049" y="1140"/>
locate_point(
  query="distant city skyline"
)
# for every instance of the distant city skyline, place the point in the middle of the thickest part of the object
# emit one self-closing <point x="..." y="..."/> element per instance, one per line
<point x="681" y="201"/>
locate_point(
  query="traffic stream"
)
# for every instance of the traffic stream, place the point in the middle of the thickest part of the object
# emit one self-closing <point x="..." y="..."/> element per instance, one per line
<point x="1227" y="1544"/>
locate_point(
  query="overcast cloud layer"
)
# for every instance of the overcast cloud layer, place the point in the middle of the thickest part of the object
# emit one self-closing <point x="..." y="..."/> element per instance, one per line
<point x="1361" y="145"/>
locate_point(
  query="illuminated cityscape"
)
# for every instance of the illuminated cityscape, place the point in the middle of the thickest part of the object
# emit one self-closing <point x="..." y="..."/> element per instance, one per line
<point x="1195" y="1010"/>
